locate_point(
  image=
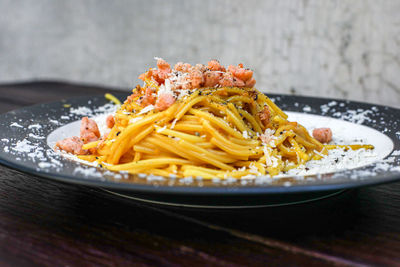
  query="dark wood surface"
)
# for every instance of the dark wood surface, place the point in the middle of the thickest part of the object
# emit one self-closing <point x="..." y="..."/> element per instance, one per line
<point x="44" y="223"/>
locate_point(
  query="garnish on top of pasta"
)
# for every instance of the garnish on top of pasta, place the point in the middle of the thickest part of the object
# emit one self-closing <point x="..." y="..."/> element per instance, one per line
<point x="201" y="121"/>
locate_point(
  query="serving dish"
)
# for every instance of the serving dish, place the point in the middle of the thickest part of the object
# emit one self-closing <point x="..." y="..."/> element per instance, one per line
<point x="27" y="137"/>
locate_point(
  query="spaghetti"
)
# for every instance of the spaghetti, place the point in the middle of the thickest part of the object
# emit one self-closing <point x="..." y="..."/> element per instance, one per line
<point x="174" y="125"/>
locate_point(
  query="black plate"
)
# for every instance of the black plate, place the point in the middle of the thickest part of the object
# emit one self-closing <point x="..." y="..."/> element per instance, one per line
<point x="196" y="192"/>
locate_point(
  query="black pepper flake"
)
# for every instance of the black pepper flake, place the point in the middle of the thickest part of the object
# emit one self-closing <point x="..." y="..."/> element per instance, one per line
<point x="199" y="92"/>
<point x="101" y="166"/>
<point x="281" y="133"/>
<point x="307" y="169"/>
<point x="336" y="160"/>
<point x="118" y="133"/>
<point x="97" y="157"/>
<point x="256" y="97"/>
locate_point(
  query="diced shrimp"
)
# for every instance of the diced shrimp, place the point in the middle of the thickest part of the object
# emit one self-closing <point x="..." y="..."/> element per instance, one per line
<point x="110" y="121"/>
<point x="240" y="72"/>
<point x="238" y="82"/>
<point x="323" y="135"/>
<point x="147" y="75"/>
<point x="149" y="97"/>
<point x="215" y="65"/>
<point x="158" y="75"/>
<point x="265" y="115"/>
<point x="164" y="101"/>
<point x="89" y="130"/>
<point x="250" y="83"/>
<point x="226" y="80"/>
<point x="164" y="69"/>
<point x="201" y="67"/>
<point x="182" y="67"/>
<point x="211" y="78"/>
<point x="196" y="78"/>
<point x="72" y="145"/>
<point x="163" y="65"/>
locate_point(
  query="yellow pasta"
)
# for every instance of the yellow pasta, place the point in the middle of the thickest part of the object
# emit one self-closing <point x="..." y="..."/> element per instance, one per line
<point x="220" y="131"/>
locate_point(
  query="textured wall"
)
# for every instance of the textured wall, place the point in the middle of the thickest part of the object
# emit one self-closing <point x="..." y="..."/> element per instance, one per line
<point x="345" y="49"/>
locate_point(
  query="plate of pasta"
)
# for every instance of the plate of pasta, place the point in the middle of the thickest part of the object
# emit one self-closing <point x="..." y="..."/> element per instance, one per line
<point x="204" y="136"/>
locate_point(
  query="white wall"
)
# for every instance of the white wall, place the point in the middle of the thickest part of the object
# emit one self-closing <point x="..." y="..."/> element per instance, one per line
<point x="344" y="49"/>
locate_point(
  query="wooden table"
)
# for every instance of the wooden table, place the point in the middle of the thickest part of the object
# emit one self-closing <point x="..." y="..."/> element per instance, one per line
<point x="52" y="224"/>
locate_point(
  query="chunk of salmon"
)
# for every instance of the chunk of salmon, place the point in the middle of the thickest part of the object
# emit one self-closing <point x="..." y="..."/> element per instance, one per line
<point x="240" y="72"/>
<point x="226" y="79"/>
<point x="72" y="145"/>
<point x="201" y="67"/>
<point x="238" y="82"/>
<point x="211" y="78"/>
<point x="250" y="83"/>
<point x="323" y="135"/>
<point x="164" y="101"/>
<point x="148" y="75"/>
<point x="149" y="97"/>
<point x="182" y="67"/>
<point x="196" y="78"/>
<point x="215" y="65"/>
<point x="158" y="75"/>
<point x="89" y="130"/>
<point x="163" y="71"/>
<point x="200" y="75"/>
<point x="265" y="115"/>
<point x="110" y="121"/>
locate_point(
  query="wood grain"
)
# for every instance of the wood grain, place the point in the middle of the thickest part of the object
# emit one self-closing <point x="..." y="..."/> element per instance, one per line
<point x="43" y="223"/>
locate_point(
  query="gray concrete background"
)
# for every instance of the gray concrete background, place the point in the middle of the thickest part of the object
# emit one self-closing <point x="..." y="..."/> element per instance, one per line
<point x="344" y="49"/>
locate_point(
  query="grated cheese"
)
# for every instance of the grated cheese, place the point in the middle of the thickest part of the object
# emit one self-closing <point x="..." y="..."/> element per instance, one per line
<point x="146" y="109"/>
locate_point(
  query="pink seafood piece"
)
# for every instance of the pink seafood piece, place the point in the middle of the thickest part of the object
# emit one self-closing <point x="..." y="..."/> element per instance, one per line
<point x="323" y="135"/>
<point x="226" y="80"/>
<point x="192" y="77"/>
<point x="211" y="78"/>
<point x="164" y="101"/>
<point x="215" y="65"/>
<point x="89" y="130"/>
<point x="250" y="83"/>
<point x="149" y="97"/>
<point x="201" y="67"/>
<point x="196" y="78"/>
<point x="182" y="67"/>
<point x="163" y="71"/>
<point x="72" y="145"/>
<point x="240" y="72"/>
<point x="147" y="75"/>
<point x="265" y="115"/>
<point x="110" y="121"/>
<point x="238" y="82"/>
